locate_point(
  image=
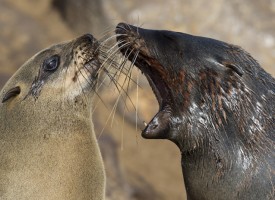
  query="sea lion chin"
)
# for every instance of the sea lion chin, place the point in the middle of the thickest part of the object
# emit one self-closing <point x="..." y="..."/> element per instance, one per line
<point x="216" y="104"/>
<point x="48" y="148"/>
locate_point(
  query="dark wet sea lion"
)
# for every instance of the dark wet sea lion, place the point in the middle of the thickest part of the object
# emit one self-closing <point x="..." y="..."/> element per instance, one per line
<point x="216" y="104"/>
<point x="48" y="147"/>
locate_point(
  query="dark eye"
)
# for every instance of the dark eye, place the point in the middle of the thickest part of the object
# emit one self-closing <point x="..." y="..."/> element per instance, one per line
<point x="51" y="64"/>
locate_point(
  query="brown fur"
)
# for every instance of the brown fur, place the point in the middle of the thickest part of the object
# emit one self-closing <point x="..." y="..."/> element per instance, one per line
<point x="48" y="148"/>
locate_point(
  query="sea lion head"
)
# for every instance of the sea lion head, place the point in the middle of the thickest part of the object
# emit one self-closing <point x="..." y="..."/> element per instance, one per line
<point x="48" y="144"/>
<point x="205" y="88"/>
<point x="69" y="70"/>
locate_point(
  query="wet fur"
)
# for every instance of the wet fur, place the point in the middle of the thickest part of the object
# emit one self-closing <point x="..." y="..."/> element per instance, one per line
<point x="216" y="104"/>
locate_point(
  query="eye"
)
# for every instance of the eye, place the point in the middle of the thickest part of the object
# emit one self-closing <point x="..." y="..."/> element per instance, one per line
<point x="51" y="64"/>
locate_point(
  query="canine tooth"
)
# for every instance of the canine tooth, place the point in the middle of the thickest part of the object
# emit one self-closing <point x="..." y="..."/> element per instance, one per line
<point x="145" y="124"/>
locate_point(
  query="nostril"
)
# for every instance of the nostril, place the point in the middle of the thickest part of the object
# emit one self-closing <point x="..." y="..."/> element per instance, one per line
<point x="88" y="37"/>
<point x="122" y="28"/>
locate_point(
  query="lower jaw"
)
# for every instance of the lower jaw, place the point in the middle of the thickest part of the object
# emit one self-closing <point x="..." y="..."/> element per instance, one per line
<point x="158" y="127"/>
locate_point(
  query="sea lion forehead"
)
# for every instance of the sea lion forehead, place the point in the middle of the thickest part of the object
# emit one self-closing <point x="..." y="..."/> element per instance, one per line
<point x="172" y="48"/>
<point x="182" y="51"/>
<point x="184" y="46"/>
<point x="57" y="49"/>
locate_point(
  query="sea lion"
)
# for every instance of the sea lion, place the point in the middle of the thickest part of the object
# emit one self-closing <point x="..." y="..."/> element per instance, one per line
<point x="216" y="104"/>
<point x="48" y="148"/>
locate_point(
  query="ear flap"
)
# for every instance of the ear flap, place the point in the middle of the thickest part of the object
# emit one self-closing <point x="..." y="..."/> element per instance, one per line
<point x="11" y="93"/>
<point x="234" y="67"/>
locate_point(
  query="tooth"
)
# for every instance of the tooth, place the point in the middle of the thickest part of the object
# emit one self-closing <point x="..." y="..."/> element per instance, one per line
<point x="145" y="124"/>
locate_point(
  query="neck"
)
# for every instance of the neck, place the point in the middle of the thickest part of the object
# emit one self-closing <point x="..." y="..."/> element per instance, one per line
<point x="227" y="139"/>
<point x="55" y="156"/>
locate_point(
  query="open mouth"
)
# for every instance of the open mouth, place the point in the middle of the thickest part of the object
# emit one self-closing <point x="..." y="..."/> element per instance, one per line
<point x="155" y="74"/>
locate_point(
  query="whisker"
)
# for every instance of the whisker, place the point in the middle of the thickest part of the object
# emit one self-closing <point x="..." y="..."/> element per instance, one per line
<point x="127" y="95"/>
<point x="116" y="45"/>
<point x="108" y="118"/>
<point x="106" y="60"/>
<point x="121" y="68"/>
<point x="112" y="77"/>
<point x="113" y="64"/>
<point x="89" y="81"/>
<point x="111" y="37"/>
<point x="113" y="60"/>
<point x="120" y="94"/>
<point x="107" y="30"/>
<point x="124" y="61"/>
<point x="131" y="69"/>
<point x="122" y="132"/>
<point x="137" y="100"/>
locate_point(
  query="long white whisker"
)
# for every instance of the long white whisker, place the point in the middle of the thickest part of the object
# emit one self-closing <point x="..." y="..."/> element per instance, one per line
<point x="137" y="102"/>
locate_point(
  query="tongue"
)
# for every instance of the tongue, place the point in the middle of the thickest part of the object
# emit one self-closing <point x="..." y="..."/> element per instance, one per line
<point x="158" y="127"/>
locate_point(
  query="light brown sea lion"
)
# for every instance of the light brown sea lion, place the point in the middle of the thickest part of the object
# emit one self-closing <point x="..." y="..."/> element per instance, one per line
<point x="48" y="148"/>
